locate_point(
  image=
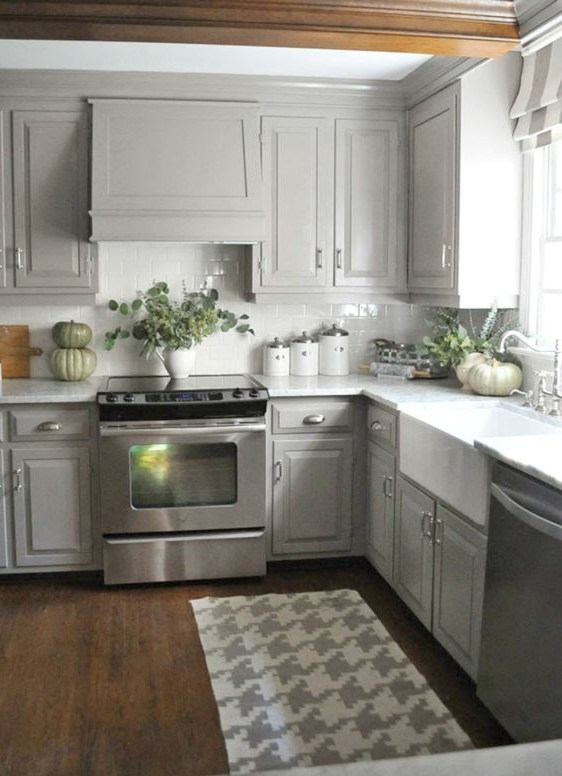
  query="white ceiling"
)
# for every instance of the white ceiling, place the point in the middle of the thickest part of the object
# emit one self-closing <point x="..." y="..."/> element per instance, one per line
<point x="188" y="58"/>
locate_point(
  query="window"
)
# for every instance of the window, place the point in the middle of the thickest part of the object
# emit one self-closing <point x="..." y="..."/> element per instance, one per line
<point x="542" y="284"/>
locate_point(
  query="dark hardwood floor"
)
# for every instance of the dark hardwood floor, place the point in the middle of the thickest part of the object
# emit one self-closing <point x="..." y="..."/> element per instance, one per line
<point x="101" y="681"/>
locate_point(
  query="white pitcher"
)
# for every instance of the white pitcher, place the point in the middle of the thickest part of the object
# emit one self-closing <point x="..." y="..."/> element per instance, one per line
<point x="179" y="362"/>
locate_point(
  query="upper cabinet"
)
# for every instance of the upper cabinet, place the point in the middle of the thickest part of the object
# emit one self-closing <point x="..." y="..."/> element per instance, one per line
<point x="335" y="220"/>
<point x="44" y="200"/>
<point x="465" y="192"/>
<point x="176" y="170"/>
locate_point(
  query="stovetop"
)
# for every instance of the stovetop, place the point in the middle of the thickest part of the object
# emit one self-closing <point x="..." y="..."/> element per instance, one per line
<point x="154" y="384"/>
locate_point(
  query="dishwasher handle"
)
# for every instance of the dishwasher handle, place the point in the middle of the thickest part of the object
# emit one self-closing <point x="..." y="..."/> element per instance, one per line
<point x="525" y="515"/>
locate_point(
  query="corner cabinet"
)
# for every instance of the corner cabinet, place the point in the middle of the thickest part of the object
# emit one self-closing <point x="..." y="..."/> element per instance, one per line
<point x="466" y="191"/>
<point x="44" y="199"/>
<point x="335" y="216"/>
<point x="176" y="170"/>
<point x="50" y="507"/>
<point x="312" y="477"/>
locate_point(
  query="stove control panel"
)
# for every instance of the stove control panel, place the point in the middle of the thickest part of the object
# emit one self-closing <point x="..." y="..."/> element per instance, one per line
<point x="184" y="397"/>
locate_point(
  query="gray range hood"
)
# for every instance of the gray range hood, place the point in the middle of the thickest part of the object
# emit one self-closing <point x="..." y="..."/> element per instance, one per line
<point x="176" y="170"/>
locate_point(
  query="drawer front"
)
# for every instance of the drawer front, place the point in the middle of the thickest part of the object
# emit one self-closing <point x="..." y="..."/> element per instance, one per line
<point x="382" y="426"/>
<point x="311" y="416"/>
<point x="48" y="423"/>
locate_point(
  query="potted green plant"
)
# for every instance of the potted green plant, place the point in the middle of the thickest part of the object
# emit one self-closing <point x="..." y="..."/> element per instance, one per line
<point x="170" y="329"/>
<point x="454" y="345"/>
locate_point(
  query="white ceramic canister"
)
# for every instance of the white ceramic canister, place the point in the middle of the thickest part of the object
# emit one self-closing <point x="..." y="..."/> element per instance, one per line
<point x="276" y="358"/>
<point x="304" y="356"/>
<point x="334" y="351"/>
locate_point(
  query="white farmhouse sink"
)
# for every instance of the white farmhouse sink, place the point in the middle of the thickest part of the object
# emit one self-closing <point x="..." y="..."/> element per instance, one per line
<point x="437" y="452"/>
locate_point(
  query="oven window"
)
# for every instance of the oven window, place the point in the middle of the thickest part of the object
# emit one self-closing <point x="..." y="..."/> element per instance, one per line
<point x="183" y="475"/>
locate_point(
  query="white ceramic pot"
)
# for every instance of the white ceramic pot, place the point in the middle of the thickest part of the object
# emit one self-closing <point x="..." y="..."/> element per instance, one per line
<point x="334" y="351"/>
<point x="179" y="363"/>
<point x="304" y="356"/>
<point x="276" y="358"/>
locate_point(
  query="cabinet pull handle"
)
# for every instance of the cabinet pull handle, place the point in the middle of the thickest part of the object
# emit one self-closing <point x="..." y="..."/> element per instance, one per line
<point x="387" y="486"/>
<point x="427" y="533"/>
<point x="49" y="425"/>
<point x="19" y="259"/>
<point x="339" y="263"/>
<point x="18" y="485"/>
<point x="278" y="467"/>
<point x="313" y="420"/>
<point x="319" y="263"/>
<point x="438" y="532"/>
<point x="376" y="425"/>
<point x="445" y="262"/>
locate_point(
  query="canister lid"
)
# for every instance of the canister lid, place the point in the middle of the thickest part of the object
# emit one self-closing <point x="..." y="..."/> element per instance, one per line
<point x="335" y="332"/>
<point x="277" y="343"/>
<point x="305" y="337"/>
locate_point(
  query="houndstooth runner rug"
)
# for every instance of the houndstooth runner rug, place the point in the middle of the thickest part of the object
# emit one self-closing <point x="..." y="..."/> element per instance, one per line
<point x="314" y="679"/>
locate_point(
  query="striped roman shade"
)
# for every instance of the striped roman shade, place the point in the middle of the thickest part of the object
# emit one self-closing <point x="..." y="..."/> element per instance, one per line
<point x="538" y="106"/>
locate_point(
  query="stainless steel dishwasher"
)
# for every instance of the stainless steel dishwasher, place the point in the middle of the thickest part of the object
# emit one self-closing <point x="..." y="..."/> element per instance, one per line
<point x="520" y="670"/>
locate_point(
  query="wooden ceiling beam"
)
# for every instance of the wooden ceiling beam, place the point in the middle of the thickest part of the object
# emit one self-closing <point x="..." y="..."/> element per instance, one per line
<point x="481" y="28"/>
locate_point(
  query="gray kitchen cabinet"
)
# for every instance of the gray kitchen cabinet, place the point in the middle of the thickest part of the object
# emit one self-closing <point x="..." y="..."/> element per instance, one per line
<point x="460" y="559"/>
<point x="334" y="206"/>
<point x="50" y="509"/>
<point x="44" y="191"/>
<point x="176" y="170"/>
<point x="52" y="505"/>
<point x="433" y="171"/>
<point x="3" y="516"/>
<point x="465" y="188"/>
<point x="439" y="567"/>
<point x="312" y="495"/>
<point x="381" y="472"/>
<point x="413" y="551"/>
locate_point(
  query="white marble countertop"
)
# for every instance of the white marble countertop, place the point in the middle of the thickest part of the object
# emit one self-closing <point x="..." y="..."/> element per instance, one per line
<point x="48" y="390"/>
<point x="539" y="759"/>
<point x="539" y="456"/>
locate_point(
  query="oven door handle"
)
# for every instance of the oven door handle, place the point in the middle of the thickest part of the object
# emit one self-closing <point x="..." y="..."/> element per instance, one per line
<point x="187" y="431"/>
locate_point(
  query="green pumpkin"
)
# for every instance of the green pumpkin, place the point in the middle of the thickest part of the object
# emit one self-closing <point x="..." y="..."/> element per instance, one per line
<point x="495" y="378"/>
<point x="73" y="364"/>
<point x="69" y="334"/>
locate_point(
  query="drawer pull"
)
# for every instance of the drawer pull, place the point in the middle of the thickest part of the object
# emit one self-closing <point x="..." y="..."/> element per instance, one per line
<point x="376" y="425"/>
<point x="49" y="425"/>
<point x="314" y="420"/>
<point x="18" y="485"/>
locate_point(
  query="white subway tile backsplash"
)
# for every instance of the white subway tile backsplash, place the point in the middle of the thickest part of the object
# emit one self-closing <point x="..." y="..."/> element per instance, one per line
<point x="126" y="268"/>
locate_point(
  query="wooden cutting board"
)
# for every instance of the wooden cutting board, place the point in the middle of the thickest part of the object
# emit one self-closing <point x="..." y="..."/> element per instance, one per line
<point x="15" y="351"/>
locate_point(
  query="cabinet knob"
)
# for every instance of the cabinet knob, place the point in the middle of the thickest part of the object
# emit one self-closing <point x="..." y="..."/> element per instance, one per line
<point x="376" y="425"/>
<point x="49" y="425"/>
<point x="313" y="420"/>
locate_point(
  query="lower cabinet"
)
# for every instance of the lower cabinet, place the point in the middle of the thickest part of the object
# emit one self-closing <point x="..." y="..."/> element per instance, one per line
<point x="52" y="505"/>
<point x="312" y="495"/>
<point x="3" y="512"/>
<point x="381" y="466"/>
<point x="439" y="565"/>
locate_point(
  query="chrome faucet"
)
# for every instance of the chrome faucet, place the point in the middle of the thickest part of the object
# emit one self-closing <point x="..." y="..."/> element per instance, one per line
<point x="556" y="393"/>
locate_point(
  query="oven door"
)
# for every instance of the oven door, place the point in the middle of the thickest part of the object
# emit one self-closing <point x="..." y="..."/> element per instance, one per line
<point x="158" y="477"/>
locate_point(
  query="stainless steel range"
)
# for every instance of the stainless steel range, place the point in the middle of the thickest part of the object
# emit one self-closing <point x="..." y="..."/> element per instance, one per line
<point x="182" y="472"/>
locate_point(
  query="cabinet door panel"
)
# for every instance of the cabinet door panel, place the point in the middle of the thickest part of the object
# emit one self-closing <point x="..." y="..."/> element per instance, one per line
<point x="299" y="182"/>
<point x="433" y="190"/>
<point x="413" y="553"/>
<point x="366" y="236"/>
<point x="50" y="152"/>
<point x="3" y="522"/>
<point x="380" y="528"/>
<point x="52" y="506"/>
<point x="312" y="496"/>
<point x="4" y="183"/>
<point x="460" y="558"/>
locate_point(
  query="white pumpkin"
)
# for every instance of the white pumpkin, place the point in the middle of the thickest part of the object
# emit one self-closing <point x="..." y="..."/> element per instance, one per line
<point x="463" y="368"/>
<point x="495" y="378"/>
